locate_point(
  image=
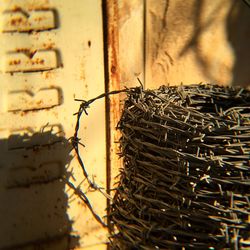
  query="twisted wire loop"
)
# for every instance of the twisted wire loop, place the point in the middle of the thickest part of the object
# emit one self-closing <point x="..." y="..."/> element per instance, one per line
<point x="76" y="142"/>
<point x="185" y="183"/>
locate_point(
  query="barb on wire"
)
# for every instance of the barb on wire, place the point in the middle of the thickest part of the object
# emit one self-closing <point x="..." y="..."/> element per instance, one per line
<point x="185" y="180"/>
<point x="75" y="141"/>
<point x="84" y="198"/>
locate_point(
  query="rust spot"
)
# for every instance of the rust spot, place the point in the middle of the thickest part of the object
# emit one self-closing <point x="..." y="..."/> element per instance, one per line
<point x="15" y="62"/>
<point x="30" y="53"/>
<point x="47" y="74"/>
<point x="32" y="8"/>
<point x="113" y="42"/>
<point x="113" y="69"/>
<point x="89" y="43"/>
<point x="16" y="8"/>
<point x="16" y="21"/>
<point x="39" y="19"/>
<point x="48" y="45"/>
<point x="22" y="50"/>
<point x="113" y="50"/>
<point x="37" y="61"/>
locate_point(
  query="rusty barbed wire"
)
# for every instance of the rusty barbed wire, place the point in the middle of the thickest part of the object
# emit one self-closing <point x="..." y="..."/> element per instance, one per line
<point x="185" y="180"/>
<point x="76" y="142"/>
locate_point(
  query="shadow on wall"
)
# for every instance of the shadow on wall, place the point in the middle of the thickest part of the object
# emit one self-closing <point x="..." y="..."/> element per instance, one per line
<point x="238" y="26"/>
<point x="207" y="33"/>
<point x="33" y="202"/>
<point x="202" y="25"/>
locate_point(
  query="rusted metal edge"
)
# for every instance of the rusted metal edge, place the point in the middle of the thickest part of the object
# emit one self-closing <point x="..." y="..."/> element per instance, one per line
<point x="112" y="82"/>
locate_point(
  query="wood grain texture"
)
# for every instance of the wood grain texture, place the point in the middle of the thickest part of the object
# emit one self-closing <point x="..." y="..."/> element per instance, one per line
<point x="191" y="41"/>
<point x="125" y="64"/>
<point x="131" y="43"/>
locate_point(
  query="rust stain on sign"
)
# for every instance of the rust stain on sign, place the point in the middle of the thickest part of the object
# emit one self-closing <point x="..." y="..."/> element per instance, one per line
<point x="113" y="43"/>
<point x="114" y="78"/>
<point x="121" y="17"/>
<point x="113" y="83"/>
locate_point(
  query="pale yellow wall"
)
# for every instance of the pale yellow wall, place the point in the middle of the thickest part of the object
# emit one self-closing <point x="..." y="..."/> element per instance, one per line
<point x="51" y="52"/>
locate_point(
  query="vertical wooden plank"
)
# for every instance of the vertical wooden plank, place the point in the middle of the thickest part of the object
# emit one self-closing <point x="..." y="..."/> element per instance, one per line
<point x="131" y="41"/>
<point x="125" y="63"/>
<point x="187" y="41"/>
<point x="112" y="83"/>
